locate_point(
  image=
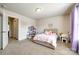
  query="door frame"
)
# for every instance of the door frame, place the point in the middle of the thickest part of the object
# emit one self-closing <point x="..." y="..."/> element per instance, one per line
<point x="17" y="19"/>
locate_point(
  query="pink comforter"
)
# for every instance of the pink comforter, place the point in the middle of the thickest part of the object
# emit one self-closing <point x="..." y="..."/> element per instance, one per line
<point x="47" y="38"/>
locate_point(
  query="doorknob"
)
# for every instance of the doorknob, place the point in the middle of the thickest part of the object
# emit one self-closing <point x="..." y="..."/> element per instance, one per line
<point x="3" y="31"/>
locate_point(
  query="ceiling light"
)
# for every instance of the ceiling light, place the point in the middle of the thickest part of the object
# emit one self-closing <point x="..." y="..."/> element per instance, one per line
<point x="37" y="10"/>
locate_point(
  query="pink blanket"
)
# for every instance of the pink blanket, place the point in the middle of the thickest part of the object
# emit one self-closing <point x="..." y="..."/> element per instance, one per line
<point x="47" y="38"/>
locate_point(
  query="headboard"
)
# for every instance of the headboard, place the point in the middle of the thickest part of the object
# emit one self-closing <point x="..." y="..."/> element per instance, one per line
<point x="53" y="30"/>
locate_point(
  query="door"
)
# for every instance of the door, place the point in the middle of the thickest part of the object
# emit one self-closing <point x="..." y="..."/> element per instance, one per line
<point x="0" y="31"/>
<point x="13" y="27"/>
<point x="4" y="31"/>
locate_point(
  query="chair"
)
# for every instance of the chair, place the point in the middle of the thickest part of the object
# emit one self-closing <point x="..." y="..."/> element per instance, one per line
<point x="64" y="37"/>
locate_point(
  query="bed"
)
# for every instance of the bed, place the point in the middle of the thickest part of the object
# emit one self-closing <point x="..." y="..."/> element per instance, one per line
<point x="48" y="38"/>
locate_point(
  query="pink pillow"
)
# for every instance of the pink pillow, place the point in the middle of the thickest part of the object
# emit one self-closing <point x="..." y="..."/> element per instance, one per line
<point x="50" y="33"/>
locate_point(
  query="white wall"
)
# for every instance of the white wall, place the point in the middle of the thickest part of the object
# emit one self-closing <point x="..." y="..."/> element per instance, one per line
<point x="23" y="27"/>
<point x="62" y="23"/>
<point x="24" y="22"/>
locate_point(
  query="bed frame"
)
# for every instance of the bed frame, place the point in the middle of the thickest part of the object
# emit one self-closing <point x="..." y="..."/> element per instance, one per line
<point x="46" y="44"/>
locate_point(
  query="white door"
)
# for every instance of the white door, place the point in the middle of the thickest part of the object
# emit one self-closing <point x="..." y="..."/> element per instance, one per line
<point x="0" y="32"/>
<point x="4" y="31"/>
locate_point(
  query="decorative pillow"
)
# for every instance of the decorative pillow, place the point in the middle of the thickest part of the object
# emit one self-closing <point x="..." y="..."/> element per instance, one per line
<point x="50" y="33"/>
<point x="46" y="32"/>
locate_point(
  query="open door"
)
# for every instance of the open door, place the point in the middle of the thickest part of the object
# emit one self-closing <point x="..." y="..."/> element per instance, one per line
<point x="12" y="28"/>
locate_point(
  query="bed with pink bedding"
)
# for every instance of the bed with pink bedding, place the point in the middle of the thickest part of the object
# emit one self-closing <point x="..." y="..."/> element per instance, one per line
<point x="46" y="39"/>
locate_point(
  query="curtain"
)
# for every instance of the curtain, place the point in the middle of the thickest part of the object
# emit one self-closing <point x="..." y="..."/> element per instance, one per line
<point x="75" y="28"/>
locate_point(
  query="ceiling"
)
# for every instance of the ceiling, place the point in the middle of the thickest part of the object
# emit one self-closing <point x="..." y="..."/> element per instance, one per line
<point x="47" y="9"/>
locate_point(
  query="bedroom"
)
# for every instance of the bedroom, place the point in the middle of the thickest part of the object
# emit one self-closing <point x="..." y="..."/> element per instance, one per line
<point x="43" y="16"/>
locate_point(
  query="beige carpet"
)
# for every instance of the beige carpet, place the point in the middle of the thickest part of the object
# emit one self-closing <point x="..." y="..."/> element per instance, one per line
<point x="26" y="47"/>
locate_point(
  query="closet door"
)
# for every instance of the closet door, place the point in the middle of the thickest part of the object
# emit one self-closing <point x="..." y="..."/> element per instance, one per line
<point x="0" y="31"/>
